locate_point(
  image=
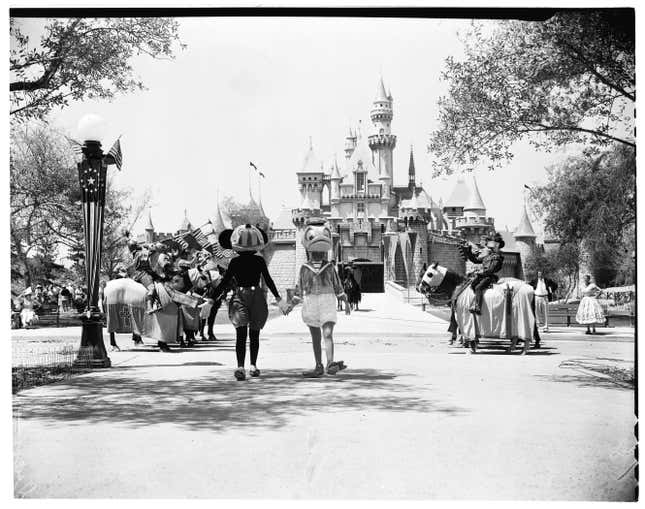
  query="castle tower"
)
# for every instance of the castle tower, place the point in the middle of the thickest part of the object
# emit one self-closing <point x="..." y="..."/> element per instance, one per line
<point x="335" y="180"/>
<point x="220" y="223"/>
<point x="524" y="236"/>
<point x="350" y="143"/>
<point x="185" y="226"/>
<point x="474" y="223"/>
<point x="310" y="178"/>
<point x="382" y="142"/>
<point x="150" y="229"/>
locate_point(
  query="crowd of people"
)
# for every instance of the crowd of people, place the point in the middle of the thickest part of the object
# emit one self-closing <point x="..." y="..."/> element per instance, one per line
<point x="27" y="305"/>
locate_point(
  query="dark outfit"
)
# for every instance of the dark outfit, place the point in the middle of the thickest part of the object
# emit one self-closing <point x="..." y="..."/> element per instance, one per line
<point x="247" y="308"/>
<point x="491" y="264"/>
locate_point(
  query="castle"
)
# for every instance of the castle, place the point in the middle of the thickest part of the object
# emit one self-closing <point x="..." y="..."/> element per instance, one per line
<point x="389" y="233"/>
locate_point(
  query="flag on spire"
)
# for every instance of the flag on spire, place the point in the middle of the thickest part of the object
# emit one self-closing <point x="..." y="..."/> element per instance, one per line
<point x="114" y="156"/>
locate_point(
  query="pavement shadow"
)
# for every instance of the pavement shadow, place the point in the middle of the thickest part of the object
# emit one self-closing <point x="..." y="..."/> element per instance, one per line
<point x="596" y="372"/>
<point x="214" y="402"/>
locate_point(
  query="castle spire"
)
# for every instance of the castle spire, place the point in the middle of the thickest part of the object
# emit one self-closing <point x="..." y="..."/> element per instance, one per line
<point x="524" y="229"/>
<point x="411" y="172"/>
<point x="149" y="225"/>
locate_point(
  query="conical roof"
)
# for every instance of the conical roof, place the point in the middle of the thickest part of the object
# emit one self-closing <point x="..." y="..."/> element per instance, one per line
<point x="149" y="225"/>
<point x="311" y="163"/>
<point x="185" y="224"/>
<point x="459" y="195"/>
<point x="380" y="92"/>
<point x="474" y="201"/>
<point x="284" y="220"/>
<point x="363" y="154"/>
<point x="524" y="229"/>
<point x="411" y="169"/>
<point x="335" y="172"/>
<point x="219" y="222"/>
<point x="424" y="200"/>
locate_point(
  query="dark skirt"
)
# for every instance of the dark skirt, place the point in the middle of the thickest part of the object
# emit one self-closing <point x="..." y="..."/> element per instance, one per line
<point x="248" y="306"/>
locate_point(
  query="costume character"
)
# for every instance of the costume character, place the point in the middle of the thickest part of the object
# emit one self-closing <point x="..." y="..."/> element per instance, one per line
<point x="141" y="271"/>
<point x="590" y="311"/>
<point x="247" y="308"/>
<point x="491" y="261"/>
<point x="318" y="288"/>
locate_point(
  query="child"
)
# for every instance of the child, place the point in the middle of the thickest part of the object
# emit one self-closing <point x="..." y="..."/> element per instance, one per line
<point x="318" y="287"/>
<point x="247" y="308"/>
<point x="491" y="260"/>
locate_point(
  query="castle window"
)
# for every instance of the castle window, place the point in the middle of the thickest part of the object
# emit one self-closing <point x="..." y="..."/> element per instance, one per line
<point x="360" y="182"/>
<point x="360" y="207"/>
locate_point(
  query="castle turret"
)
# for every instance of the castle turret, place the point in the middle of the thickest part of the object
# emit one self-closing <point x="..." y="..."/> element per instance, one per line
<point x="382" y="142"/>
<point x="350" y="143"/>
<point x="474" y="223"/>
<point x="185" y="226"/>
<point x="310" y="179"/>
<point x="150" y="229"/>
<point x="524" y="236"/>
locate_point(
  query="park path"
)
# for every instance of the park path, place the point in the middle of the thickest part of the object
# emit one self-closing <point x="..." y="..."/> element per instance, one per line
<point x="412" y="417"/>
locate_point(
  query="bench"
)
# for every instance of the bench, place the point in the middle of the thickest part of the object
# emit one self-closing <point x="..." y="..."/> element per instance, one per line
<point x="565" y="314"/>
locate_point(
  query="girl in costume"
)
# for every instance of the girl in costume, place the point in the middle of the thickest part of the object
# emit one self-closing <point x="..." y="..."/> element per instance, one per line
<point x="318" y="288"/>
<point x="247" y="309"/>
<point x="590" y="312"/>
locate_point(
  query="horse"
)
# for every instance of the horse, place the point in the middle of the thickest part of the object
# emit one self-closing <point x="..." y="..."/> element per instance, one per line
<point x="508" y="310"/>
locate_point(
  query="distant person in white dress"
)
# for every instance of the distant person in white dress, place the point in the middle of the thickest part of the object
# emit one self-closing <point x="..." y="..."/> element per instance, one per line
<point x="27" y="314"/>
<point x="590" y="312"/>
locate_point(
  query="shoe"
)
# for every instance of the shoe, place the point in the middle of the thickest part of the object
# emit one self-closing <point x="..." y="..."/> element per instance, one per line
<point x="588" y="332"/>
<point x="335" y="367"/>
<point x="254" y="372"/>
<point x="163" y="346"/>
<point x="317" y="372"/>
<point x="546" y="329"/>
<point x="240" y="374"/>
<point x="211" y="337"/>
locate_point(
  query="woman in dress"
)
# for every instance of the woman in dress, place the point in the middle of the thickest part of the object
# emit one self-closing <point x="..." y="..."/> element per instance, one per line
<point x="352" y="289"/>
<point x="590" y="312"/>
<point x="27" y="314"/>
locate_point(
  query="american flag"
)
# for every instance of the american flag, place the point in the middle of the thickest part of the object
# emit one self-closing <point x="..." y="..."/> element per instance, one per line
<point x="92" y="181"/>
<point x="114" y="156"/>
<point x="77" y="147"/>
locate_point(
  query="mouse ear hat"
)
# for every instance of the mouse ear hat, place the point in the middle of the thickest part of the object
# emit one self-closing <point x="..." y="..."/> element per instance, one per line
<point x="245" y="238"/>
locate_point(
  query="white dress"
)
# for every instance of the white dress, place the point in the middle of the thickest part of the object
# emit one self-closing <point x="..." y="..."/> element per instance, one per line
<point x="27" y="314"/>
<point x="590" y="311"/>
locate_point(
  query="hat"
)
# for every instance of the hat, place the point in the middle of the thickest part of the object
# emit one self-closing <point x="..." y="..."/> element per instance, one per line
<point x="244" y="238"/>
<point x="27" y="291"/>
<point x="496" y="237"/>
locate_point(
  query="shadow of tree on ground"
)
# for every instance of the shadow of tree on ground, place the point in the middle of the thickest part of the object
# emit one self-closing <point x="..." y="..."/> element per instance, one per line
<point x="596" y="372"/>
<point x="213" y="402"/>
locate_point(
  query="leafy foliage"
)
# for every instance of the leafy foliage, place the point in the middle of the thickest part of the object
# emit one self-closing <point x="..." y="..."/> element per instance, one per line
<point x="566" y="80"/>
<point x="592" y="200"/>
<point x="45" y="207"/>
<point x="82" y="58"/>
<point x="561" y="265"/>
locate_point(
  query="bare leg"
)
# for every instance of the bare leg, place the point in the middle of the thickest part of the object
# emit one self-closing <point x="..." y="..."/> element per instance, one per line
<point x="328" y="334"/>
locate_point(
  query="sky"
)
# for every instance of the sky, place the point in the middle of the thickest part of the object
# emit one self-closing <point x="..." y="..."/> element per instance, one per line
<point x="257" y="89"/>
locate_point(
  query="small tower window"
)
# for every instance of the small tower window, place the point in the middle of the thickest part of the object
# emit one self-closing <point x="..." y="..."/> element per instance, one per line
<point x="360" y="182"/>
<point x="360" y="208"/>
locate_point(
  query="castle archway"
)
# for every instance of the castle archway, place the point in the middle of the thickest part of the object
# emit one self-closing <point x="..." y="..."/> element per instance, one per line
<point x="400" y="272"/>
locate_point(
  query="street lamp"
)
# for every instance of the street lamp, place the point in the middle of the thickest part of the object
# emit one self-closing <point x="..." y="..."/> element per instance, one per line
<point x="92" y="179"/>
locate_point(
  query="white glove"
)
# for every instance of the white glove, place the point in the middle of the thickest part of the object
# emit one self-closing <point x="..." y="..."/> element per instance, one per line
<point x="284" y="306"/>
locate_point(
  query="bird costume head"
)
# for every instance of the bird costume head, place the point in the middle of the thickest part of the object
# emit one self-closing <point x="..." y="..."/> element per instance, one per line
<point x="317" y="237"/>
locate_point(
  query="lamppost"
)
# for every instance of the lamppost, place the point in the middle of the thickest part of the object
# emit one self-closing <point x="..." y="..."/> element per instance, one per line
<point x="92" y="179"/>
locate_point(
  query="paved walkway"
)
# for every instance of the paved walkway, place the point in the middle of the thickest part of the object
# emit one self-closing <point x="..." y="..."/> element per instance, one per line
<point x="412" y="417"/>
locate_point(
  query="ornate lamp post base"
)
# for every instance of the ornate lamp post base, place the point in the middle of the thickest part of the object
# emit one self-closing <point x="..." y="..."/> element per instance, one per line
<point x="92" y="353"/>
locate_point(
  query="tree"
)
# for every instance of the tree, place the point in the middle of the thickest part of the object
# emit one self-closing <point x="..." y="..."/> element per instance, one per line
<point x="591" y="200"/>
<point x="82" y="58"/>
<point x="566" y="80"/>
<point x="560" y="265"/>
<point x="45" y="212"/>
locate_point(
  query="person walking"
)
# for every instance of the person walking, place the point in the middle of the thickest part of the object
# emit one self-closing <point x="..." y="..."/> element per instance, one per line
<point x="544" y="293"/>
<point x="590" y="312"/>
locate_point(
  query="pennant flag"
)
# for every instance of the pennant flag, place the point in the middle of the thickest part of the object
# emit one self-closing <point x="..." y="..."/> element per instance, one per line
<point x="261" y="174"/>
<point x="254" y="167"/>
<point x="77" y="147"/>
<point x="527" y="187"/>
<point x="114" y="156"/>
